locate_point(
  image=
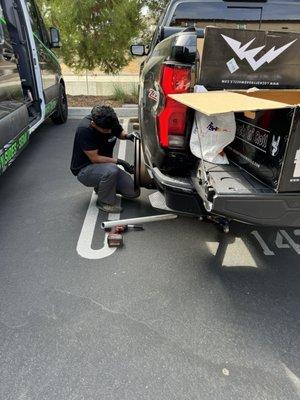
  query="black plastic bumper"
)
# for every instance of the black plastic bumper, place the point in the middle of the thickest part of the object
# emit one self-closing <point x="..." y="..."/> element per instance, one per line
<point x="266" y="209"/>
<point x="282" y="210"/>
<point x="179" y="193"/>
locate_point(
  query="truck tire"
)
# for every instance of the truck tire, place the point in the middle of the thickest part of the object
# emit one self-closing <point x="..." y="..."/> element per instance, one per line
<point x="61" y="114"/>
<point x="141" y="175"/>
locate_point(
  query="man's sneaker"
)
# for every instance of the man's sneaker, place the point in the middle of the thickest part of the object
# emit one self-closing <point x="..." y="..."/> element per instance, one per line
<point x="109" y="208"/>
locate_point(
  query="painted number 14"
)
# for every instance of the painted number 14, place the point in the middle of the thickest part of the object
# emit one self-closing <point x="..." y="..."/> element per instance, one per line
<point x="283" y="241"/>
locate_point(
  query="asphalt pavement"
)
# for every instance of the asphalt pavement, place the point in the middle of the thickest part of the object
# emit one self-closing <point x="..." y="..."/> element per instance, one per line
<point x="182" y="312"/>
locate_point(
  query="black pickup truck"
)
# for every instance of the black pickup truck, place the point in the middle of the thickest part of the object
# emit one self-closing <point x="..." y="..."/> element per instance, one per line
<point x="171" y="66"/>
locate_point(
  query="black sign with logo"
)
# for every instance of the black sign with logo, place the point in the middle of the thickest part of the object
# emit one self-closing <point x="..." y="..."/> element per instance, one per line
<point x="290" y="176"/>
<point x="268" y="147"/>
<point x="260" y="144"/>
<point x="238" y="59"/>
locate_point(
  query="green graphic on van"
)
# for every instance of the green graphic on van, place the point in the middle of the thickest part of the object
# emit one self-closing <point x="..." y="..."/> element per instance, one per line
<point x="2" y="21"/>
<point x="50" y="107"/>
<point x="12" y="149"/>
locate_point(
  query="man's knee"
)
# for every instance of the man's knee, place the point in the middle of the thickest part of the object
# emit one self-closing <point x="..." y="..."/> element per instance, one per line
<point x="111" y="170"/>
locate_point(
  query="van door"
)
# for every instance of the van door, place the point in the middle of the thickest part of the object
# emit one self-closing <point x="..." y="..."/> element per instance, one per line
<point x="14" y="119"/>
<point x="48" y="61"/>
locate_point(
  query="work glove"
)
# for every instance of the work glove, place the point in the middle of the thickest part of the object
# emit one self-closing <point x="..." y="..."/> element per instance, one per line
<point x="132" y="136"/>
<point x="128" y="168"/>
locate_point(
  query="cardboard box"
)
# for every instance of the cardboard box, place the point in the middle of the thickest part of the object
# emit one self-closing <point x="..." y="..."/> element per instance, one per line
<point x="267" y="143"/>
<point x="237" y="59"/>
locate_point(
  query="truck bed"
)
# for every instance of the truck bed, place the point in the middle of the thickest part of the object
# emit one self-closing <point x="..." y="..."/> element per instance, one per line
<point x="240" y="197"/>
<point x="229" y="179"/>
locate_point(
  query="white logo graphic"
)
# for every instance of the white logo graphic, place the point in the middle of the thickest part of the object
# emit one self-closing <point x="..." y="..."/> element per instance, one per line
<point x="275" y="146"/>
<point x="232" y="65"/>
<point x="243" y="52"/>
<point x="153" y="95"/>
<point x="297" y="167"/>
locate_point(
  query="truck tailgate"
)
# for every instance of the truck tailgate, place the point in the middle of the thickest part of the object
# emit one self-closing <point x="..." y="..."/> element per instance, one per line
<point x="236" y="195"/>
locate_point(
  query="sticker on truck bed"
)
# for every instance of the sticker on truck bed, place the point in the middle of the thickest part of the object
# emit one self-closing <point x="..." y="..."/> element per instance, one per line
<point x="153" y="95"/>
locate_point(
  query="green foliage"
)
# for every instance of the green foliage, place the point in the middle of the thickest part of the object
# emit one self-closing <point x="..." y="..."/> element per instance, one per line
<point x="124" y="96"/>
<point x="156" y="8"/>
<point x="95" y="33"/>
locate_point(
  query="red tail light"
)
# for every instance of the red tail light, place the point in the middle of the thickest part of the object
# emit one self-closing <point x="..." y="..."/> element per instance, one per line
<point x="172" y="119"/>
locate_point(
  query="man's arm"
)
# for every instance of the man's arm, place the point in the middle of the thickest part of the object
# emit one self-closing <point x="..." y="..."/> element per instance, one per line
<point x="95" y="158"/>
<point x="123" y="136"/>
<point x="128" y="136"/>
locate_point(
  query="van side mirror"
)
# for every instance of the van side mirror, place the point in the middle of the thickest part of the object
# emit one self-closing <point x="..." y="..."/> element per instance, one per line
<point x="54" y="38"/>
<point x="139" y="50"/>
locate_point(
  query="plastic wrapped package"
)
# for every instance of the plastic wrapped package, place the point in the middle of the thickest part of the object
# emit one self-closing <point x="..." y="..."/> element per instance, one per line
<point x="211" y="134"/>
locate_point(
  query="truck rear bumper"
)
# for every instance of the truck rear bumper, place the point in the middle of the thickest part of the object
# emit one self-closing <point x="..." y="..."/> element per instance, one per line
<point x="282" y="210"/>
<point x="179" y="193"/>
<point x="184" y="185"/>
<point x="265" y="209"/>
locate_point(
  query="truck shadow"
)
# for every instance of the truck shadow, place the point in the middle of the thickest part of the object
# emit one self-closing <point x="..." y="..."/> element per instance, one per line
<point x="263" y="291"/>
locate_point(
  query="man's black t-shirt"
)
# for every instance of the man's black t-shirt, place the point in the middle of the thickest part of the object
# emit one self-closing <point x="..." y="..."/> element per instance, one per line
<point x="88" y="139"/>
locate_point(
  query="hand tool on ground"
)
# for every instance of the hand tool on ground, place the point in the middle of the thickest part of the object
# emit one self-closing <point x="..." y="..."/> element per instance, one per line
<point x="115" y="236"/>
<point x="116" y="229"/>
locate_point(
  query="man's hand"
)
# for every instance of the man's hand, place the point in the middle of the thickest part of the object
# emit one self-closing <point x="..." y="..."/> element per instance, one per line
<point x="132" y="136"/>
<point x="128" y="168"/>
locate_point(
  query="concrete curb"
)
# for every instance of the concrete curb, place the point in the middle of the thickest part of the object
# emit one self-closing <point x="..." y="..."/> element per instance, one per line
<point x="124" y="112"/>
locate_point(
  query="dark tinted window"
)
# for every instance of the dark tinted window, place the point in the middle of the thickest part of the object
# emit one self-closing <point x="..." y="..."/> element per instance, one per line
<point x="34" y="18"/>
<point x="43" y="28"/>
<point x="284" y="15"/>
<point x="10" y="84"/>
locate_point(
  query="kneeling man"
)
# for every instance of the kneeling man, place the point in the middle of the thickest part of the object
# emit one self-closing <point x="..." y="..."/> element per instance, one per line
<point x="93" y="162"/>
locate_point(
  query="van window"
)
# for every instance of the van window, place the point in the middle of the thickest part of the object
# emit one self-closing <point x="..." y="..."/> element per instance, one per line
<point x="270" y="16"/>
<point x="34" y="18"/>
<point x="10" y="84"/>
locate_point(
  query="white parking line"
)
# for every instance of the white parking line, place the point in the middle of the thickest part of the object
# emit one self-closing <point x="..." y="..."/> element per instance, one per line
<point x="84" y="245"/>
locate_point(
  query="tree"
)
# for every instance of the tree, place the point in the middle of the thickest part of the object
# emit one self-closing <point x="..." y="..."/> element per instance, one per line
<point x="95" y="33"/>
<point x="156" y="8"/>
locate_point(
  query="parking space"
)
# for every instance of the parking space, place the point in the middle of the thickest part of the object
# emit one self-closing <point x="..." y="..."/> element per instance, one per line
<point x="183" y="311"/>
